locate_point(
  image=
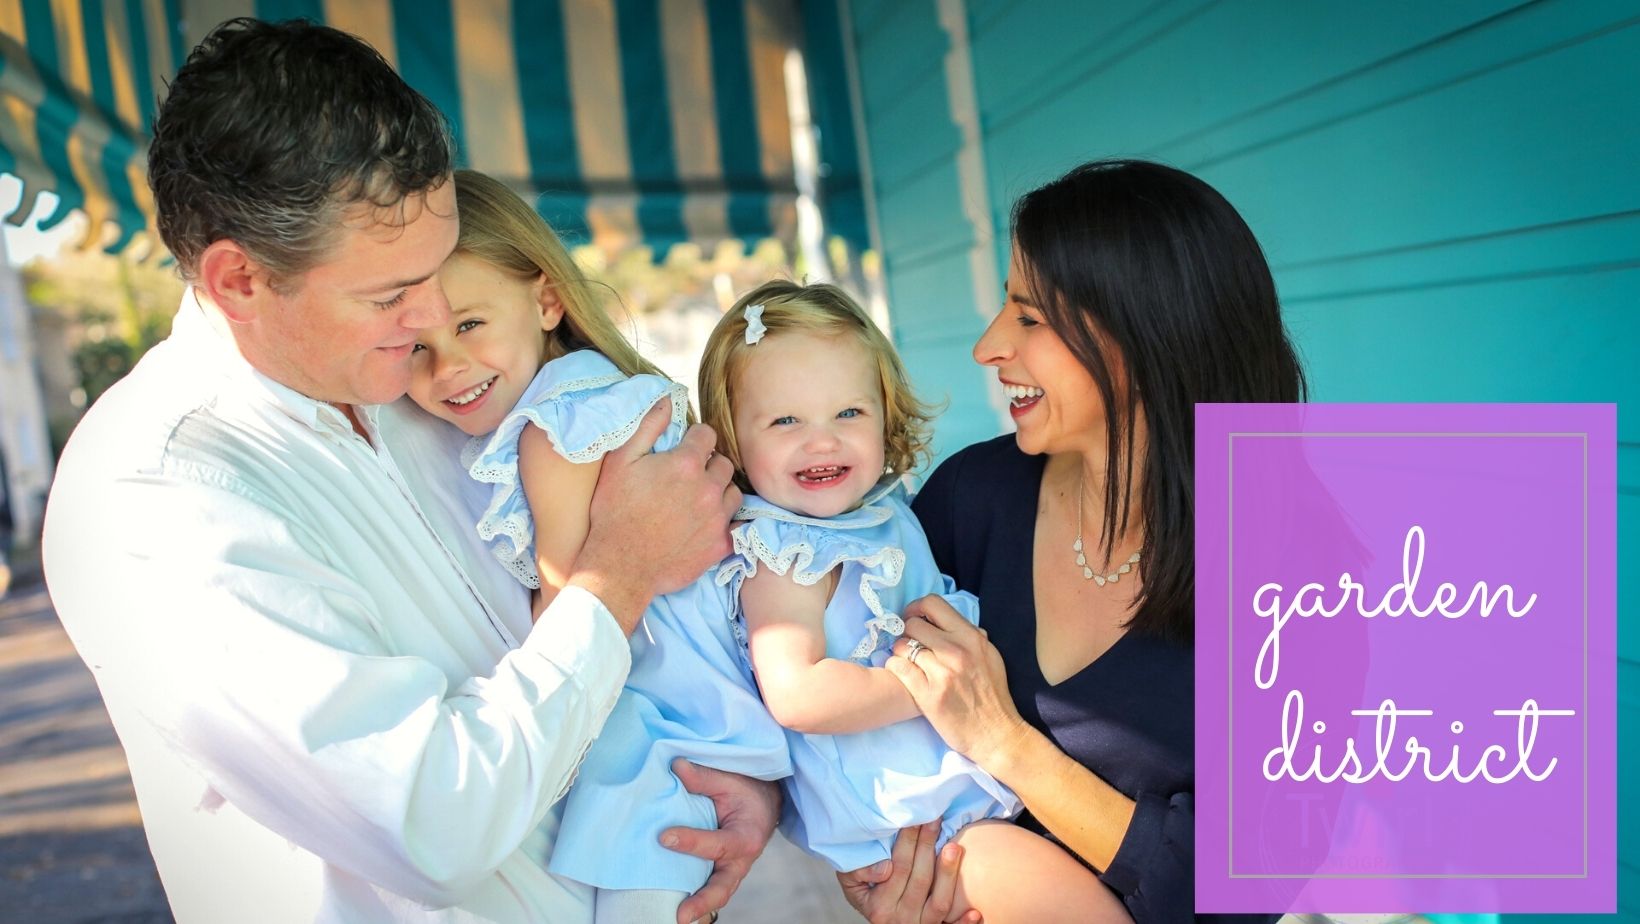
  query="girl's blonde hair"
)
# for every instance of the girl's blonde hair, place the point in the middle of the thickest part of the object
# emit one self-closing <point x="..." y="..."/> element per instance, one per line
<point x="502" y="230"/>
<point x="817" y="309"/>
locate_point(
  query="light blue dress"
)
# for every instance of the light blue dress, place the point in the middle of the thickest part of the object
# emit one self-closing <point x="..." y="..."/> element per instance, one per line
<point x="849" y="795"/>
<point x="688" y="694"/>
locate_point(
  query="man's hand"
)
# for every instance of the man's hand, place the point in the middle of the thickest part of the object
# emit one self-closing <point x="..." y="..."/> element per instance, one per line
<point x="910" y="887"/>
<point x="658" y="520"/>
<point x="747" y="810"/>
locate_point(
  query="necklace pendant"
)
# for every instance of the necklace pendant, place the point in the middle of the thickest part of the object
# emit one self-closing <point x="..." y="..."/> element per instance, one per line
<point x="1099" y="580"/>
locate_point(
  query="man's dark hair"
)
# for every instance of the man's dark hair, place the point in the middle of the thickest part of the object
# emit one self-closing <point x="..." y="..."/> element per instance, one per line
<point x="271" y="130"/>
<point x="1156" y="284"/>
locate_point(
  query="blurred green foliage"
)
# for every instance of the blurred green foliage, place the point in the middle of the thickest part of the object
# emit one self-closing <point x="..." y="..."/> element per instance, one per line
<point x="115" y="309"/>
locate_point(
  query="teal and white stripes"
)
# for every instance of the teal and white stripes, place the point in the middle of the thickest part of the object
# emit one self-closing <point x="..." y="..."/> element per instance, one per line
<point x="626" y="121"/>
<point x="77" y="80"/>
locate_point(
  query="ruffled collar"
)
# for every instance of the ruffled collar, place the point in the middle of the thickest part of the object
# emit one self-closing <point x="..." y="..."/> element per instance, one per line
<point x="872" y="511"/>
<point x="574" y="371"/>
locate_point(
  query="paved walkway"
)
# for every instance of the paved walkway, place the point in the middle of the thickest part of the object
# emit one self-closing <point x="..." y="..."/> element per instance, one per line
<point x="71" y="844"/>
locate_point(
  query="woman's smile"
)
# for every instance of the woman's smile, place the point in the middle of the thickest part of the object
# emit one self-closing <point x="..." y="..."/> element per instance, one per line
<point x="1021" y="398"/>
<point x="1021" y="346"/>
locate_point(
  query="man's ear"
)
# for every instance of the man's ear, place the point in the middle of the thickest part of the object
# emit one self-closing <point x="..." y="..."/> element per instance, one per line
<point x="235" y="282"/>
<point x="552" y="307"/>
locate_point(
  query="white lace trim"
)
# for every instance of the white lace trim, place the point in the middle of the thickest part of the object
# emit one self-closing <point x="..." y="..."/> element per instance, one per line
<point x="510" y="552"/>
<point x="799" y="559"/>
<point x="479" y="445"/>
<point x="516" y="527"/>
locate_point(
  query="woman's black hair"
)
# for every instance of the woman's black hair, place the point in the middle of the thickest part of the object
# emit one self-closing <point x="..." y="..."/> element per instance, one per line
<point x="1148" y="274"/>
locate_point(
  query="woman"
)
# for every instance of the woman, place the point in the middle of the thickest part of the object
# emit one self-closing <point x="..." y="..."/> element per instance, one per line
<point x="1134" y="292"/>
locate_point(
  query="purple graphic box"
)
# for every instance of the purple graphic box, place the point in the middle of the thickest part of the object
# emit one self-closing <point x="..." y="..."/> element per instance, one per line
<point x="1483" y="731"/>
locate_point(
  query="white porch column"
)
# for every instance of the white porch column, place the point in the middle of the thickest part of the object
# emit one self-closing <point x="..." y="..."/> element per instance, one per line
<point x="23" y="435"/>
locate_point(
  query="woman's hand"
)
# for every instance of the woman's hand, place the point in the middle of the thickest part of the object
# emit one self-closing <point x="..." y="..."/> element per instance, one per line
<point x="911" y="887"/>
<point x="747" y="810"/>
<point x="958" y="681"/>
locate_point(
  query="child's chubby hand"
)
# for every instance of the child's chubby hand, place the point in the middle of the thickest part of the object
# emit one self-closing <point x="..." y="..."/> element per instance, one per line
<point x="658" y="519"/>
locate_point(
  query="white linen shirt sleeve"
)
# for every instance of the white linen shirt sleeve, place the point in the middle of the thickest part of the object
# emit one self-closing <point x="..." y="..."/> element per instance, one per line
<point x="232" y="630"/>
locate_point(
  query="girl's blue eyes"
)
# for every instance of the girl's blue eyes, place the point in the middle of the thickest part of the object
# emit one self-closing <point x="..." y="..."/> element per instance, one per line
<point x="461" y="328"/>
<point x="847" y="414"/>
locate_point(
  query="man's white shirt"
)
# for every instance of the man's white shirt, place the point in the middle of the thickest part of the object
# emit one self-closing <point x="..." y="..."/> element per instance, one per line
<point x="333" y="701"/>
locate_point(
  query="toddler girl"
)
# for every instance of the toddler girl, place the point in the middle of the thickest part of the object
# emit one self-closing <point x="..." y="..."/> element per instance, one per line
<point x="811" y="404"/>
<point x="532" y="369"/>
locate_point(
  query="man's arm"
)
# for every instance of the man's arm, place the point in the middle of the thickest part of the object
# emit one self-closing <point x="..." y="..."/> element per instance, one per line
<point x="220" y="624"/>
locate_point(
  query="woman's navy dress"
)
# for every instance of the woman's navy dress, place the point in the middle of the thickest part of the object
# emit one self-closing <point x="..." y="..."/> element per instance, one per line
<point x="1128" y="716"/>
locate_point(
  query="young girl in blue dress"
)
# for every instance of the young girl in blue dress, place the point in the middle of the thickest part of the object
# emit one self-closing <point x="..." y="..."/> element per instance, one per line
<point x="811" y="404"/>
<point x="531" y="368"/>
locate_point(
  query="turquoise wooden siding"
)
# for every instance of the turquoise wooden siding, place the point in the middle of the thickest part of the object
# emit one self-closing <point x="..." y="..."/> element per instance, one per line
<point x="925" y="238"/>
<point x="1449" y="194"/>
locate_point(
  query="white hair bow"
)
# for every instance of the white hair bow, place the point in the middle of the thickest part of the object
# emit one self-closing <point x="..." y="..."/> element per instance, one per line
<point x="754" y="324"/>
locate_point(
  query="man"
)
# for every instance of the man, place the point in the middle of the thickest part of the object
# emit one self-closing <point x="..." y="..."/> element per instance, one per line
<point x="328" y="714"/>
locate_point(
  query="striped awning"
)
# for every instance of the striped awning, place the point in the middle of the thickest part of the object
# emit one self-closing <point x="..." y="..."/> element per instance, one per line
<point x="77" y="82"/>
<point x="626" y="121"/>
